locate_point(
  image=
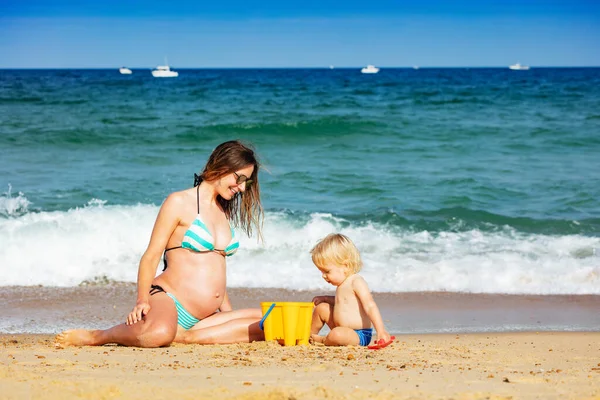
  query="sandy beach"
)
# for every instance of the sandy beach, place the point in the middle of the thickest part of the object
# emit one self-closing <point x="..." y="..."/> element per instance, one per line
<point x="533" y="365"/>
<point x="542" y="363"/>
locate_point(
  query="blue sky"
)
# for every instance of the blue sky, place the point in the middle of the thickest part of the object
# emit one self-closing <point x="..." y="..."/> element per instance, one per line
<point x="309" y="33"/>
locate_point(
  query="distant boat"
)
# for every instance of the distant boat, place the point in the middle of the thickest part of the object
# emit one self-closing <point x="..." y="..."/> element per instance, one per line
<point x="331" y="67"/>
<point x="519" y="67"/>
<point x="164" y="71"/>
<point x="125" y="71"/>
<point x="370" y="69"/>
<point x="415" y="67"/>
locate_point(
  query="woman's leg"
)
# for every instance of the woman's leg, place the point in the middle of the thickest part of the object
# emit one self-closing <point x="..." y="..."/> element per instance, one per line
<point x="158" y="328"/>
<point x="239" y="326"/>
<point x="222" y="317"/>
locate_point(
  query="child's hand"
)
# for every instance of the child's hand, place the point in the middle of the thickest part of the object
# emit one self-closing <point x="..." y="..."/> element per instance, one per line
<point x="383" y="335"/>
<point x="321" y="299"/>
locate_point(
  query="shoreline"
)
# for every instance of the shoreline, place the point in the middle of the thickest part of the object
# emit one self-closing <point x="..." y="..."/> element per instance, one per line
<point x="49" y="310"/>
<point x="549" y="365"/>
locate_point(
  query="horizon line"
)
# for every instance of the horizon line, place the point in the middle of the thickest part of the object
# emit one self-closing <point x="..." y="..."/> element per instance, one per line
<point x="313" y="67"/>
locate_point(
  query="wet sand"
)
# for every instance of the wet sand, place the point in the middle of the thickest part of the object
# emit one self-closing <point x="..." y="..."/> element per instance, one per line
<point x="52" y="310"/>
<point x="546" y="365"/>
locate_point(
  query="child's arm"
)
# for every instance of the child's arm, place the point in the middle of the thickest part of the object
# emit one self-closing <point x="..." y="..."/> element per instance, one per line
<point x="324" y="299"/>
<point x="361" y="289"/>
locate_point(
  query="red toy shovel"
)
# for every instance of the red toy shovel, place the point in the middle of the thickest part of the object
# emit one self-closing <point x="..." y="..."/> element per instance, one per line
<point x="380" y="344"/>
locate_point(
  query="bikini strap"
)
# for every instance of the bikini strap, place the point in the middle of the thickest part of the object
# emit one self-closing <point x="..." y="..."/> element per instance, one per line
<point x="179" y="247"/>
<point x="156" y="289"/>
<point x="165" y="260"/>
<point x="198" y="198"/>
<point x="165" y="256"/>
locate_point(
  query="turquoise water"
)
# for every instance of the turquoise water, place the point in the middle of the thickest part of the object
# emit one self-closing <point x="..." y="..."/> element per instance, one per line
<point x="476" y="180"/>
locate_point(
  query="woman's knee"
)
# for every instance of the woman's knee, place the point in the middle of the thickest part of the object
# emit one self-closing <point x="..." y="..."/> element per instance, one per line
<point x="254" y="313"/>
<point x="243" y="313"/>
<point x="157" y="335"/>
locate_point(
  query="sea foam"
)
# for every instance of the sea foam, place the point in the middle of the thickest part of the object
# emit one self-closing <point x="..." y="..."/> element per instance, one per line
<point x="98" y="243"/>
<point x="11" y="206"/>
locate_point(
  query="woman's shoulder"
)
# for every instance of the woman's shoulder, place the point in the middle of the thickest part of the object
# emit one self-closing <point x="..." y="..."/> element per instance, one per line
<point x="178" y="199"/>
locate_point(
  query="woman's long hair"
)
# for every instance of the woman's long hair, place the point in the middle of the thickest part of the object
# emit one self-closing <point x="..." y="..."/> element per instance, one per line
<point x="244" y="209"/>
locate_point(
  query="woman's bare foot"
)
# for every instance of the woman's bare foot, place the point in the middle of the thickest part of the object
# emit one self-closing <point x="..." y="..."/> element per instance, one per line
<point x="316" y="339"/>
<point x="75" y="337"/>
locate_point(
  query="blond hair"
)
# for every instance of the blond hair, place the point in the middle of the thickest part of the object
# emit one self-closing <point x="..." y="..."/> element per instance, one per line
<point x="337" y="249"/>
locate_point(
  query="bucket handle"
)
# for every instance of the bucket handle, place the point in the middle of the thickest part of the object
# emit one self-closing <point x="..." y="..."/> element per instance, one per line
<point x="262" y="321"/>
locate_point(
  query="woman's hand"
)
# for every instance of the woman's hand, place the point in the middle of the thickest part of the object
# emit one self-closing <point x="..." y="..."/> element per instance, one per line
<point x="138" y="313"/>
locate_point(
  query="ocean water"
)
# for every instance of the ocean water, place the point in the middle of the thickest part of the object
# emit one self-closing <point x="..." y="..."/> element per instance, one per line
<point x="448" y="180"/>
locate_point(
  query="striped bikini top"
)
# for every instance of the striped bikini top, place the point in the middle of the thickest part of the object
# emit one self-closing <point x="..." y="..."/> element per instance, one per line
<point x="199" y="239"/>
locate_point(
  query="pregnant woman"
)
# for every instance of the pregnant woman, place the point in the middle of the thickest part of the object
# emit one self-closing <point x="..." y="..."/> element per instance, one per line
<point x="188" y="301"/>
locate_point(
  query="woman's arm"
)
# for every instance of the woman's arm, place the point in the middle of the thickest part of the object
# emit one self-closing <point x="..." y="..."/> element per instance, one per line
<point x="226" y="304"/>
<point x="166" y="222"/>
<point x="361" y="289"/>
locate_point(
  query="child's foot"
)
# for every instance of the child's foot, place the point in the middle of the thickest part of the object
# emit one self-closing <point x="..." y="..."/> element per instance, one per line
<point x="74" y="337"/>
<point x="316" y="339"/>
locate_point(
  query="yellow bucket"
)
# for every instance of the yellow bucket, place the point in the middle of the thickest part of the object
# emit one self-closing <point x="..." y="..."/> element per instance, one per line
<point x="288" y="322"/>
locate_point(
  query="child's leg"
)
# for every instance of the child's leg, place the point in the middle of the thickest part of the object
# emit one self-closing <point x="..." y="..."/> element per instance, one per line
<point x="340" y="336"/>
<point x="322" y="314"/>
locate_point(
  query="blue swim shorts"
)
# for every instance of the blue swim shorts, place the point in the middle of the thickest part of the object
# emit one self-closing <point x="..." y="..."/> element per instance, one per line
<point x="364" y="335"/>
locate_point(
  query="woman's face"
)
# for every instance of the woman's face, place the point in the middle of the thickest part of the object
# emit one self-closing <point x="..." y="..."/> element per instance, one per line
<point x="234" y="183"/>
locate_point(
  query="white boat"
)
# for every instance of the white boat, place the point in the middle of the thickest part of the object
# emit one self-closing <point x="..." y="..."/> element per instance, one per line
<point x="415" y="67"/>
<point x="331" y="67"/>
<point x="519" y="67"/>
<point x="164" y="71"/>
<point x="125" y="71"/>
<point x="370" y="69"/>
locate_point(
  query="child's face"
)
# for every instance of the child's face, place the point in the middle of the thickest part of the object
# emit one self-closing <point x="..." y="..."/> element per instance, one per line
<point x="334" y="274"/>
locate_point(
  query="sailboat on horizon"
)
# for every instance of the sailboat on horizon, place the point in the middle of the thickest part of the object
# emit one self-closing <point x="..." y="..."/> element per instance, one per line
<point x="164" y="71"/>
<point x="370" y="69"/>
<point x="518" y="67"/>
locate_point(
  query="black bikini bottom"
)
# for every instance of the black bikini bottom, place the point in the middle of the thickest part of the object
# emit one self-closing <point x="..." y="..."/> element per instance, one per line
<point x="156" y="289"/>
